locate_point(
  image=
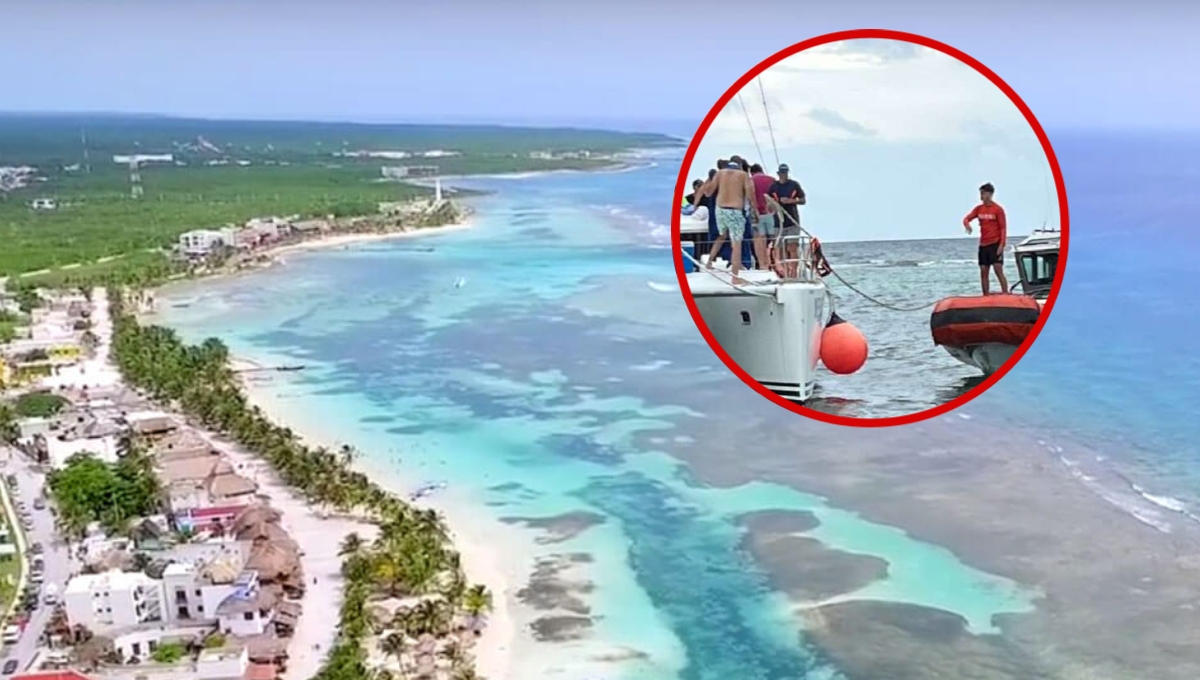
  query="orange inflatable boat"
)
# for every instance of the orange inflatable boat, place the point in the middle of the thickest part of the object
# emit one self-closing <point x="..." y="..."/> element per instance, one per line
<point x="983" y="331"/>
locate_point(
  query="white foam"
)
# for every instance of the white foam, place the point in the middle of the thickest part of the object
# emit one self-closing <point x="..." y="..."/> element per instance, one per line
<point x="663" y="287"/>
<point x="651" y="366"/>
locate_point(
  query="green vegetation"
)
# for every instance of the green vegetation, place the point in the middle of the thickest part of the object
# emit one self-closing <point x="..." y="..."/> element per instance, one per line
<point x="8" y="423"/>
<point x="169" y="652"/>
<point x="38" y="405"/>
<point x="97" y="219"/>
<point x="10" y="568"/>
<point x="89" y="490"/>
<point x="140" y="269"/>
<point x="8" y="325"/>
<point x="34" y="139"/>
<point x="292" y="170"/>
<point x="410" y="556"/>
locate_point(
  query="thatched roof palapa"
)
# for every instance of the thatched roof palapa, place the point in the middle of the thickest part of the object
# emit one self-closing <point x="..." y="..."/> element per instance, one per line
<point x="230" y="484"/>
<point x="256" y="514"/>
<point x="274" y="561"/>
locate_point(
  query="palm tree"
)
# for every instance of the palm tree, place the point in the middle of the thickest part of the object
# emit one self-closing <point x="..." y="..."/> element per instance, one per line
<point x="395" y="644"/>
<point x="465" y="673"/>
<point x="477" y="602"/>
<point x="352" y="544"/>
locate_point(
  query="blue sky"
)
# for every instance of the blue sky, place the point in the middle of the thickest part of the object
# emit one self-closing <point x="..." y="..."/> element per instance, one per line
<point x="889" y="139"/>
<point x="1093" y="64"/>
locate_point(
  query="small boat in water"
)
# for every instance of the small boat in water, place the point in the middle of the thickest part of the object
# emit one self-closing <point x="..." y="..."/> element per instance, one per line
<point x="1037" y="262"/>
<point x="983" y="330"/>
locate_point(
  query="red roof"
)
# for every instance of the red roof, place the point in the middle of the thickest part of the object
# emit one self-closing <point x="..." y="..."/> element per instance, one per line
<point x="52" y="675"/>
<point x="199" y="513"/>
<point x="260" y="671"/>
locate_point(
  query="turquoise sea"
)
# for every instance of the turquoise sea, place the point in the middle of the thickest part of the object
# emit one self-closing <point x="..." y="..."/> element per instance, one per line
<point x="560" y="393"/>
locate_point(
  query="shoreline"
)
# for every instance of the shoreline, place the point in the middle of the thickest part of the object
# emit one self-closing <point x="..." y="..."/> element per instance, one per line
<point x="348" y="239"/>
<point x="480" y="561"/>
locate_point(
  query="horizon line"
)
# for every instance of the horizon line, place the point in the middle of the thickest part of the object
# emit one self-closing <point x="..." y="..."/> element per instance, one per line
<point x="580" y="123"/>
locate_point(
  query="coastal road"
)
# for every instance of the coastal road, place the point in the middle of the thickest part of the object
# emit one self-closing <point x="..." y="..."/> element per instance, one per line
<point x="59" y="565"/>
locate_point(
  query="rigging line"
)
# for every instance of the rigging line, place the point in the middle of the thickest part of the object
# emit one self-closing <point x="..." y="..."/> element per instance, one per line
<point x="895" y="308"/>
<point x="770" y="128"/>
<point x="1046" y="183"/>
<point x="750" y="125"/>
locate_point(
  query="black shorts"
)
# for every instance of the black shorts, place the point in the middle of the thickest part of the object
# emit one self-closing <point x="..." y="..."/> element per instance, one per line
<point x="990" y="255"/>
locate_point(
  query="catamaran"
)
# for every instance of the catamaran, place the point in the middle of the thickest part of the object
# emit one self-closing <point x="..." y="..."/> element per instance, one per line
<point x="770" y="325"/>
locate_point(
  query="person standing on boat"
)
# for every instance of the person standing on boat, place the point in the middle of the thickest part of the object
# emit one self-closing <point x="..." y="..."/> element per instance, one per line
<point x="765" y="233"/>
<point x="733" y="188"/>
<point x="993" y="233"/>
<point x="788" y="193"/>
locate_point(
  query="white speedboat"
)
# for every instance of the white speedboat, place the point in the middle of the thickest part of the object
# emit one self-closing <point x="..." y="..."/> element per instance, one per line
<point x="1037" y="261"/>
<point x="770" y="326"/>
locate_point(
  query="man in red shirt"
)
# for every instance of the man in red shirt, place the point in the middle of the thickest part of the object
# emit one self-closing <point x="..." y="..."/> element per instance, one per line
<point x="764" y="235"/>
<point x="993" y="231"/>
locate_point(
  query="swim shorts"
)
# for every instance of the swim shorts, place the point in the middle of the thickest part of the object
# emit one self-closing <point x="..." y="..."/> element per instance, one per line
<point x="990" y="255"/>
<point x="766" y="224"/>
<point x="731" y="221"/>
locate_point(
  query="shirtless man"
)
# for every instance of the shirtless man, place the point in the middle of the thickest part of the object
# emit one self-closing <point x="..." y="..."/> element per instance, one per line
<point x="734" y="189"/>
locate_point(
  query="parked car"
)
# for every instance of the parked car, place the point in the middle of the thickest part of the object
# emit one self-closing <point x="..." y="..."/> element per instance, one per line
<point x="10" y="666"/>
<point x="39" y="503"/>
<point x="36" y="548"/>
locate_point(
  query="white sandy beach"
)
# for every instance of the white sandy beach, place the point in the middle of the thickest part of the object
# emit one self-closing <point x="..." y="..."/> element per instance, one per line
<point x="340" y="240"/>
<point x="473" y="540"/>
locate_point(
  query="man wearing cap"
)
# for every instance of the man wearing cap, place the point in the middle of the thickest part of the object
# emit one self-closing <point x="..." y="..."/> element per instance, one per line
<point x="993" y="232"/>
<point x="788" y="193"/>
<point x="733" y="190"/>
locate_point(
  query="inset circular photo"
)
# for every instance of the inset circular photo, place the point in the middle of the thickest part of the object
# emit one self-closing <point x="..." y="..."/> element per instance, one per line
<point x="871" y="228"/>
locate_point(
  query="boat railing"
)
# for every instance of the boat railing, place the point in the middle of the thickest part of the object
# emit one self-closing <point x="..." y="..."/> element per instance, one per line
<point x="791" y="251"/>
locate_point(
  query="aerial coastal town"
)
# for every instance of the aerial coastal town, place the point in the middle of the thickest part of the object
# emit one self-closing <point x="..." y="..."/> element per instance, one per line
<point x="136" y="543"/>
<point x="213" y="576"/>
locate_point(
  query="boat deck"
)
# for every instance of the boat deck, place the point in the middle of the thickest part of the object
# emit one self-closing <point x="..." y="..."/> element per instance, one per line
<point x="718" y="282"/>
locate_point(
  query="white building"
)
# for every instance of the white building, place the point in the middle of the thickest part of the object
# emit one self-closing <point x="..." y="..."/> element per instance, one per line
<point x="140" y="158"/>
<point x="43" y="204"/>
<point x="219" y="664"/>
<point x="204" y="241"/>
<point x="102" y="447"/>
<point x="114" y="599"/>
<point x="249" y="609"/>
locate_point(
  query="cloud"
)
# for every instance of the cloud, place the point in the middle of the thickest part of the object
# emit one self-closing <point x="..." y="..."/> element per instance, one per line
<point x="835" y="120"/>
<point x="890" y="90"/>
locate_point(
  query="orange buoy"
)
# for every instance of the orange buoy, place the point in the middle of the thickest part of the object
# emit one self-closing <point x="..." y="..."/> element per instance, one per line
<point x="843" y="347"/>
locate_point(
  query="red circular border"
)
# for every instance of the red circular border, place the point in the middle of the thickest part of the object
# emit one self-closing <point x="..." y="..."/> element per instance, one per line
<point x="681" y="188"/>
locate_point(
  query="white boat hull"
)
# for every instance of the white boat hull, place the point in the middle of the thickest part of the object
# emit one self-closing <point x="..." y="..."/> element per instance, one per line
<point x="775" y="336"/>
<point x="988" y="357"/>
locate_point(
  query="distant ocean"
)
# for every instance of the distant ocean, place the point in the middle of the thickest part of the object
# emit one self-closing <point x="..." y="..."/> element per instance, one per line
<point x="550" y="390"/>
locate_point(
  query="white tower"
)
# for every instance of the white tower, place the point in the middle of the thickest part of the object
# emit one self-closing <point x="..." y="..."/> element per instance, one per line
<point x="135" y="179"/>
<point x="437" y="190"/>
